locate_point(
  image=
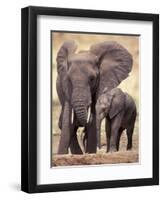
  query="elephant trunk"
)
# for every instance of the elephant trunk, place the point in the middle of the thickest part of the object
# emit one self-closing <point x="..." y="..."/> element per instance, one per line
<point x="98" y="132"/>
<point x="80" y="104"/>
<point x="81" y="113"/>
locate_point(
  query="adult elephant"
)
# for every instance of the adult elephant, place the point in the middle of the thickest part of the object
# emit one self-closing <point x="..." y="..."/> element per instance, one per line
<point x="81" y="79"/>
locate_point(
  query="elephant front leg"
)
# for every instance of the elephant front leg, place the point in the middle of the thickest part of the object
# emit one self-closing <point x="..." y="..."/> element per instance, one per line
<point x="108" y="133"/>
<point x="74" y="144"/>
<point x="91" y="137"/>
<point x="60" y="119"/>
<point x="115" y="126"/>
<point x="66" y="130"/>
<point x="119" y="137"/>
<point x="130" y="131"/>
<point x="113" y="143"/>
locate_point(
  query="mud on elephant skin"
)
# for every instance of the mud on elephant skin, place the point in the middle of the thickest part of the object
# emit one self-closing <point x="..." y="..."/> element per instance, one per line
<point x="119" y="109"/>
<point x="82" y="76"/>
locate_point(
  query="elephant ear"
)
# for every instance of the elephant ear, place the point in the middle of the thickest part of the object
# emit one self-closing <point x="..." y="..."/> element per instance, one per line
<point x="68" y="48"/>
<point x="114" y="62"/>
<point x="117" y="102"/>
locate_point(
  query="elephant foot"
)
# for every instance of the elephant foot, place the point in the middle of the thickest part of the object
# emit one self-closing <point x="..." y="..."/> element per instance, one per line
<point x="91" y="150"/>
<point x="112" y="149"/>
<point x="77" y="153"/>
<point x="76" y="150"/>
<point x="63" y="151"/>
<point x="129" y="147"/>
<point x="74" y="145"/>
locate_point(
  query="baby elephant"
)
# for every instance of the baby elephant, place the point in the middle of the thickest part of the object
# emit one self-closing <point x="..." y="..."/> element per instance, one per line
<point x="119" y="109"/>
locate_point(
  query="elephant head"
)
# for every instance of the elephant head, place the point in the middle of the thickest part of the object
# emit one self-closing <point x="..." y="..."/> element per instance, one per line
<point x="109" y="104"/>
<point x="83" y="76"/>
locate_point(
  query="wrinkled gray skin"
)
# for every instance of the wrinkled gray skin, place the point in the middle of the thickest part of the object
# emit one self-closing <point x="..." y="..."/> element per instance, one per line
<point x="119" y="109"/>
<point x="81" y="79"/>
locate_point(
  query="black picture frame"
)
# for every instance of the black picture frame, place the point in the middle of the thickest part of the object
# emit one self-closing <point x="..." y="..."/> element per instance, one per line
<point x="29" y="98"/>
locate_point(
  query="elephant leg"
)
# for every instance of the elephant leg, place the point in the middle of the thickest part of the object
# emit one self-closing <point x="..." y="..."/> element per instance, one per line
<point x="130" y="131"/>
<point x="108" y="133"/>
<point x="66" y="130"/>
<point x="118" y="137"/>
<point x="74" y="144"/>
<point x="60" y="120"/>
<point x="115" y="126"/>
<point x="91" y="143"/>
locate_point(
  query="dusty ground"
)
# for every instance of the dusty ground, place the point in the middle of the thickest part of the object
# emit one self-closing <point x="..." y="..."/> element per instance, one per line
<point x="94" y="159"/>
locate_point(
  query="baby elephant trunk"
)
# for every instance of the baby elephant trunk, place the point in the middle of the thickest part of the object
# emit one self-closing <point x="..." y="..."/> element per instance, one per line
<point x="98" y="127"/>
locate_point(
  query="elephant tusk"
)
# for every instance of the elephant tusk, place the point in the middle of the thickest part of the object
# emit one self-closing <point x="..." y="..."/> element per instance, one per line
<point x="72" y="116"/>
<point x="89" y="114"/>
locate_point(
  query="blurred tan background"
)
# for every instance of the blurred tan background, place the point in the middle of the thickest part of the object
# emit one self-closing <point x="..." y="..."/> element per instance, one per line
<point x="84" y="41"/>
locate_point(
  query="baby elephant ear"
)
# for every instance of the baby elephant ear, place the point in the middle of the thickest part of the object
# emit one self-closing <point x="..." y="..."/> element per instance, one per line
<point x="118" y="102"/>
<point x="115" y="63"/>
<point x="67" y="48"/>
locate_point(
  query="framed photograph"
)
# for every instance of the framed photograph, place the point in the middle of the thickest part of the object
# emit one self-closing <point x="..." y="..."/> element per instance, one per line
<point x="90" y="99"/>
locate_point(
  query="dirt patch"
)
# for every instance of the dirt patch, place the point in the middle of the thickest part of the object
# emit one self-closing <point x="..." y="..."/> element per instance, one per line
<point x="94" y="159"/>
